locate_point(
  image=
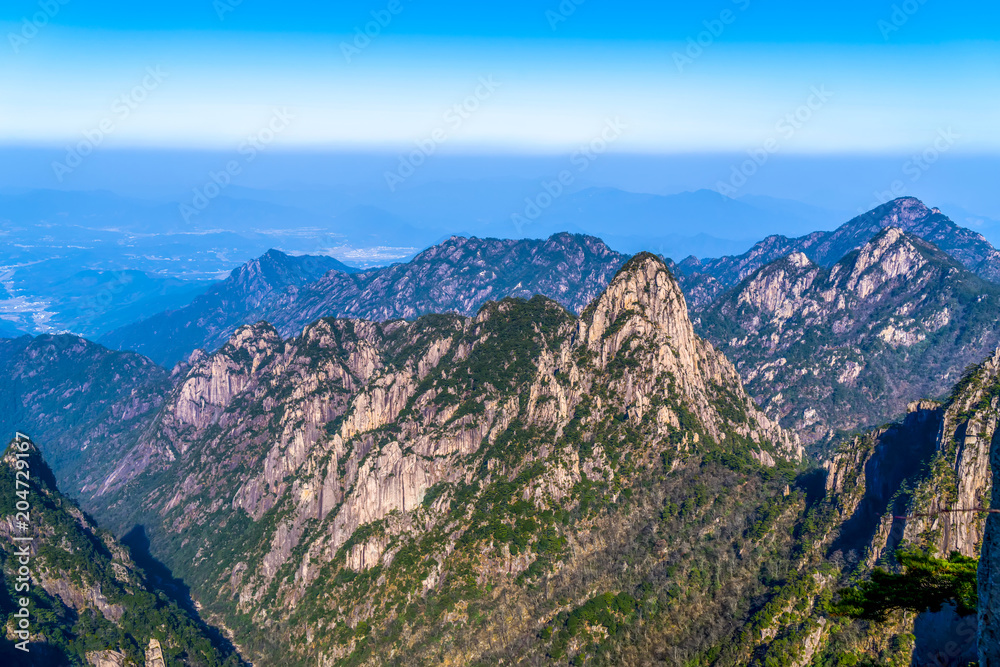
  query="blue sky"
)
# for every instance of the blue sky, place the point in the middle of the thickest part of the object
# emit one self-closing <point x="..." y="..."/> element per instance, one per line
<point x="891" y="75"/>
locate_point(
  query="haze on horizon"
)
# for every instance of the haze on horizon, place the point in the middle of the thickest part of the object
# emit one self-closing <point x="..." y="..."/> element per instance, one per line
<point x="837" y="107"/>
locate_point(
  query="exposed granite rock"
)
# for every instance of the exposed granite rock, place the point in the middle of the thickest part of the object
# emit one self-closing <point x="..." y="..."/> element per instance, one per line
<point x="938" y="459"/>
<point x="827" y="248"/>
<point x="331" y="442"/>
<point x="840" y="349"/>
<point x="989" y="572"/>
<point x="106" y="658"/>
<point x="81" y="582"/>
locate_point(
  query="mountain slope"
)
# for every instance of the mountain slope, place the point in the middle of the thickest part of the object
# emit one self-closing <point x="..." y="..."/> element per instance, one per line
<point x="459" y="275"/>
<point x="939" y="458"/>
<point x="845" y="348"/>
<point x="528" y="485"/>
<point x="81" y="400"/>
<point x="708" y="278"/>
<point x="172" y="335"/>
<point x="88" y="602"/>
<point x="364" y="487"/>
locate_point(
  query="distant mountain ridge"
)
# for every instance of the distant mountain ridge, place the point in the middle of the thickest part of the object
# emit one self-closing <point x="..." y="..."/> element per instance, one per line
<point x="459" y="275"/>
<point x="244" y="297"/>
<point x="707" y="279"/>
<point x="844" y="348"/>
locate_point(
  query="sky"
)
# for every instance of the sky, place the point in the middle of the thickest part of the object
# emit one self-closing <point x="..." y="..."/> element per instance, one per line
<point x="725" y="76"/>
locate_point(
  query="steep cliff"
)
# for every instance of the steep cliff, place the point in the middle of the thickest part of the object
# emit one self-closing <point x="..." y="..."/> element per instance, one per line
<point x="365" y="487"/>
<point x="919" y="484"/>
<point x="989" y="573"/>
<point x="840" y="349"/>
<point x="86" y="601"/>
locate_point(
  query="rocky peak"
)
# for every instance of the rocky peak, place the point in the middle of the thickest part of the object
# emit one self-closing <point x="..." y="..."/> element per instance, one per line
<point x="778" y="287"/>
<point x="904" y="212"/>
<point x="276" y="271"/>
<point x="799" y="260"/>
<point x="890" y="255"/>
<point x="213" y="381"/>
<point x="645" y="289"/>
<point x="253" y="339"/>
<point x="853" y="350"/>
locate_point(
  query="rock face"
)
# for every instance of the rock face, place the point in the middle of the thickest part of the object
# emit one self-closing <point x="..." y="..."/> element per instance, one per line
<point x="937" y="459"/>
<point x="87" y="598"/>
<point x="941" y="452"/>
<point x="106" y="658"/>
<point x="211" y="318"/>
<point x="459" y="275"/>
<point x="933" y="459"/>
<point x="840" y="349"/>
<point x="989" y="573"/>
<point x="708" y="278"/>
<point x="289" y="474"/>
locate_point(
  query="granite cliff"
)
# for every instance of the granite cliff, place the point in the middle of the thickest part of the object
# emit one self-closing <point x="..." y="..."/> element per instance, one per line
<point x="833" y="350"/>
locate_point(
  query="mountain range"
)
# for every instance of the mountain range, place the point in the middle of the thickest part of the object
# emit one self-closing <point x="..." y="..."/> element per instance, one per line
<point x="459" y="275"/>
<point x="834" y="350"/>
<point x="805" y="330"/>
<point x="525" y="483"/>
<point x="707" y="279"/>
<point x="534" y="452"/>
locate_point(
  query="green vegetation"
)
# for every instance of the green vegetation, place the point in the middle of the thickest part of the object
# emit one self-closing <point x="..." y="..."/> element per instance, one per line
<point x="925" y="584"/>
<point x="70" y="548"/>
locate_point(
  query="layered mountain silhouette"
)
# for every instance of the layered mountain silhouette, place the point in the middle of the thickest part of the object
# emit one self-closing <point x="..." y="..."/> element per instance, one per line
<point x="530" y="484"/>
<point x="459" y="276"/>
<point x="837" y="349"/>
<point x="704" y="280"/>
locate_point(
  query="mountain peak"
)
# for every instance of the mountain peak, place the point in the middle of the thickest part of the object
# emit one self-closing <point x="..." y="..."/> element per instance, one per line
<point x="643" y="290"/>
<point x="889" y="255"/>
<point x="799" y="260"/>
<point x="904" y="212"/>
